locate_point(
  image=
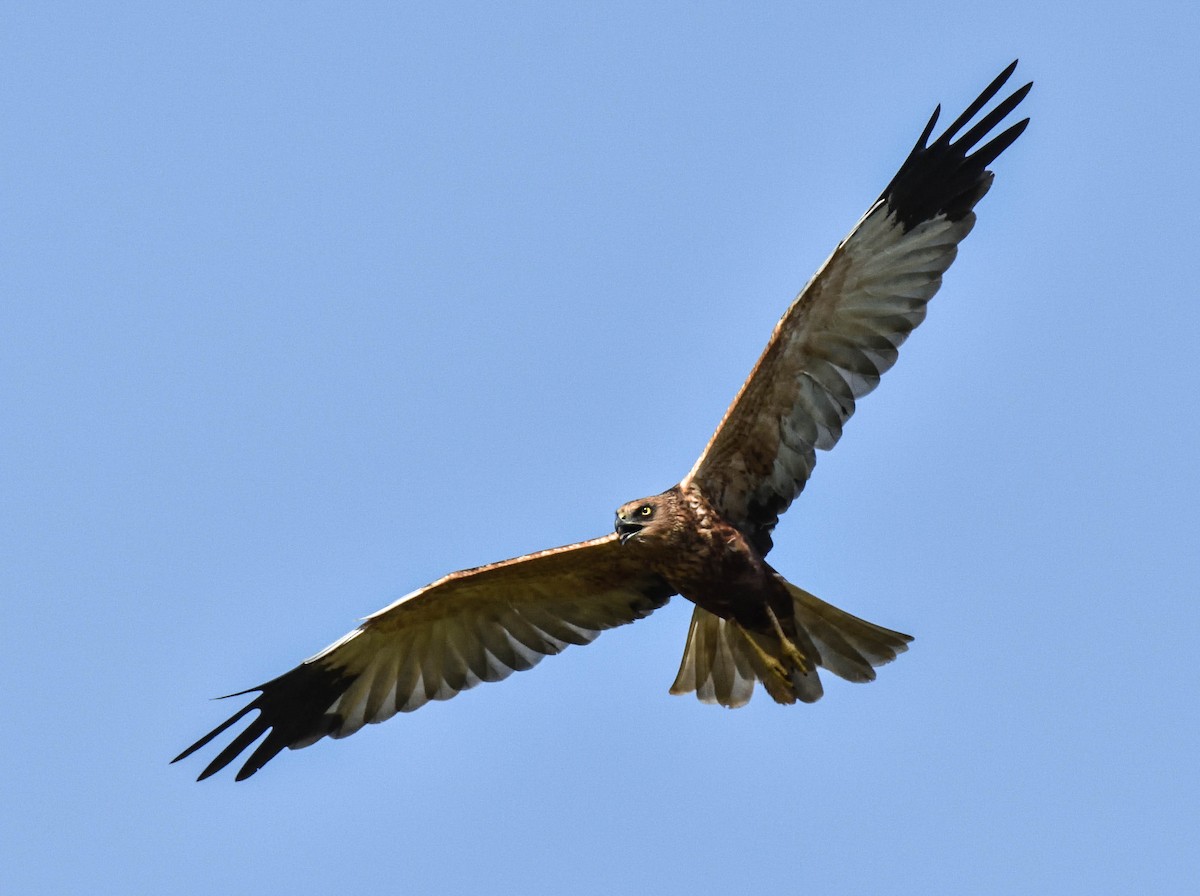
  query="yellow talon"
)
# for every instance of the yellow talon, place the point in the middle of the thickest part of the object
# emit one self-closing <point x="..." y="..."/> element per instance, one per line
<point x="790" y="650"/>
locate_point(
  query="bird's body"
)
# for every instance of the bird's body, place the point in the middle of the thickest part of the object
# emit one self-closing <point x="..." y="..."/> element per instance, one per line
<point x="705" y="538"/>
<point x="749" y="623"/>
<point x="703" y="557"/>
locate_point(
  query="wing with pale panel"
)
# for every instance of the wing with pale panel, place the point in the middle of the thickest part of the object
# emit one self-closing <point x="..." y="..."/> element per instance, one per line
<point x="476" y="625"/>
<point x="845" y="328"/>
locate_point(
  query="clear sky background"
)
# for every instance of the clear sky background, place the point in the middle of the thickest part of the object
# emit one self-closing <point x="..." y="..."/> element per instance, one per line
<point x="305" y="305"/>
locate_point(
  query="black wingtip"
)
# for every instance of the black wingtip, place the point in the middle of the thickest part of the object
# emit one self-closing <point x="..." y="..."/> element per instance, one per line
<point x="292" y="709"/>
<point x="253" y="732"/>
<point x="993" y="118"/>
<point x="980" y="101"/>
<point x="987" y="153"/>
<point x="923" y="140"/>
<point x="945" y="177"/>
<point x="204" y="741"/>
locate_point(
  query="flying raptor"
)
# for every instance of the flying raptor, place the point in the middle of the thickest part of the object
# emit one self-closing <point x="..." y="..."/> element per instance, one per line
<point x="705" y="538"/>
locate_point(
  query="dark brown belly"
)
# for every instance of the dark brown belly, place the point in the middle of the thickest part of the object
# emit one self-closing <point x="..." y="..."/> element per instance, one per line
<point x="742" y="595"/>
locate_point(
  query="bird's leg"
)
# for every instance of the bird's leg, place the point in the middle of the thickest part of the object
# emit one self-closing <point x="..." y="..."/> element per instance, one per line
<point x="770" y="664"/>
<point x="770" y="670"/>
<point x="790" y="650"/>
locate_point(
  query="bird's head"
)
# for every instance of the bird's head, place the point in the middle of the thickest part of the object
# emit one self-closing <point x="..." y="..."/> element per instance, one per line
<point x="642" y="516"/>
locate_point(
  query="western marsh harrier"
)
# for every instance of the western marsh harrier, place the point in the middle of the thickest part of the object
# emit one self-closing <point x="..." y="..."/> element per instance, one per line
<point x="705" y="538"/>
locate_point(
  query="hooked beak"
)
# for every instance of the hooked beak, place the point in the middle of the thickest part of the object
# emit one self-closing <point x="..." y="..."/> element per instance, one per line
<point x="627" y="528"/>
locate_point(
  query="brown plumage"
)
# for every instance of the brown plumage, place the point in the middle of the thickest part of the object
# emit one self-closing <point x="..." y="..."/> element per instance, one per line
<point x="705" y="538"/>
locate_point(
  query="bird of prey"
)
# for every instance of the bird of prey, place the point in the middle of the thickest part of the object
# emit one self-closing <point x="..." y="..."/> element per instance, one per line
<point x="705" y="538"/>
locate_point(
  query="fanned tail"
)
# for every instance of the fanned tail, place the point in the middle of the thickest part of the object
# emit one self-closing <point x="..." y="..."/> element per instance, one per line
<point x="849" y="647"/>
<point x="722" y="660"/>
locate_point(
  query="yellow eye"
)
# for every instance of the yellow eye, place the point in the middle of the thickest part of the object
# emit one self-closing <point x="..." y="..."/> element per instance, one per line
<point x="646" y="510"/>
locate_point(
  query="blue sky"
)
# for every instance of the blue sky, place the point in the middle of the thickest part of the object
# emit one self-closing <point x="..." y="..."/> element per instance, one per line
<point x="308" y="304"/>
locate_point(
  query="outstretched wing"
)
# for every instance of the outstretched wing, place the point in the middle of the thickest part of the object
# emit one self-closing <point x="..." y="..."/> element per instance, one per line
<point x="846" y="326"/>
<point x="476" y="625"/>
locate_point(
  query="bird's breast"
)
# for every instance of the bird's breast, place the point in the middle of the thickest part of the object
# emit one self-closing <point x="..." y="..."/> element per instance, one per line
<point x="711" y="563"/>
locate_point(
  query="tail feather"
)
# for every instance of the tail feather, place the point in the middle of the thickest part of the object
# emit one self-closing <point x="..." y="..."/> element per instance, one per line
<point x="845" y="637"/>
<point x="714" y="664"/>
<point x="722" y="660"/>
